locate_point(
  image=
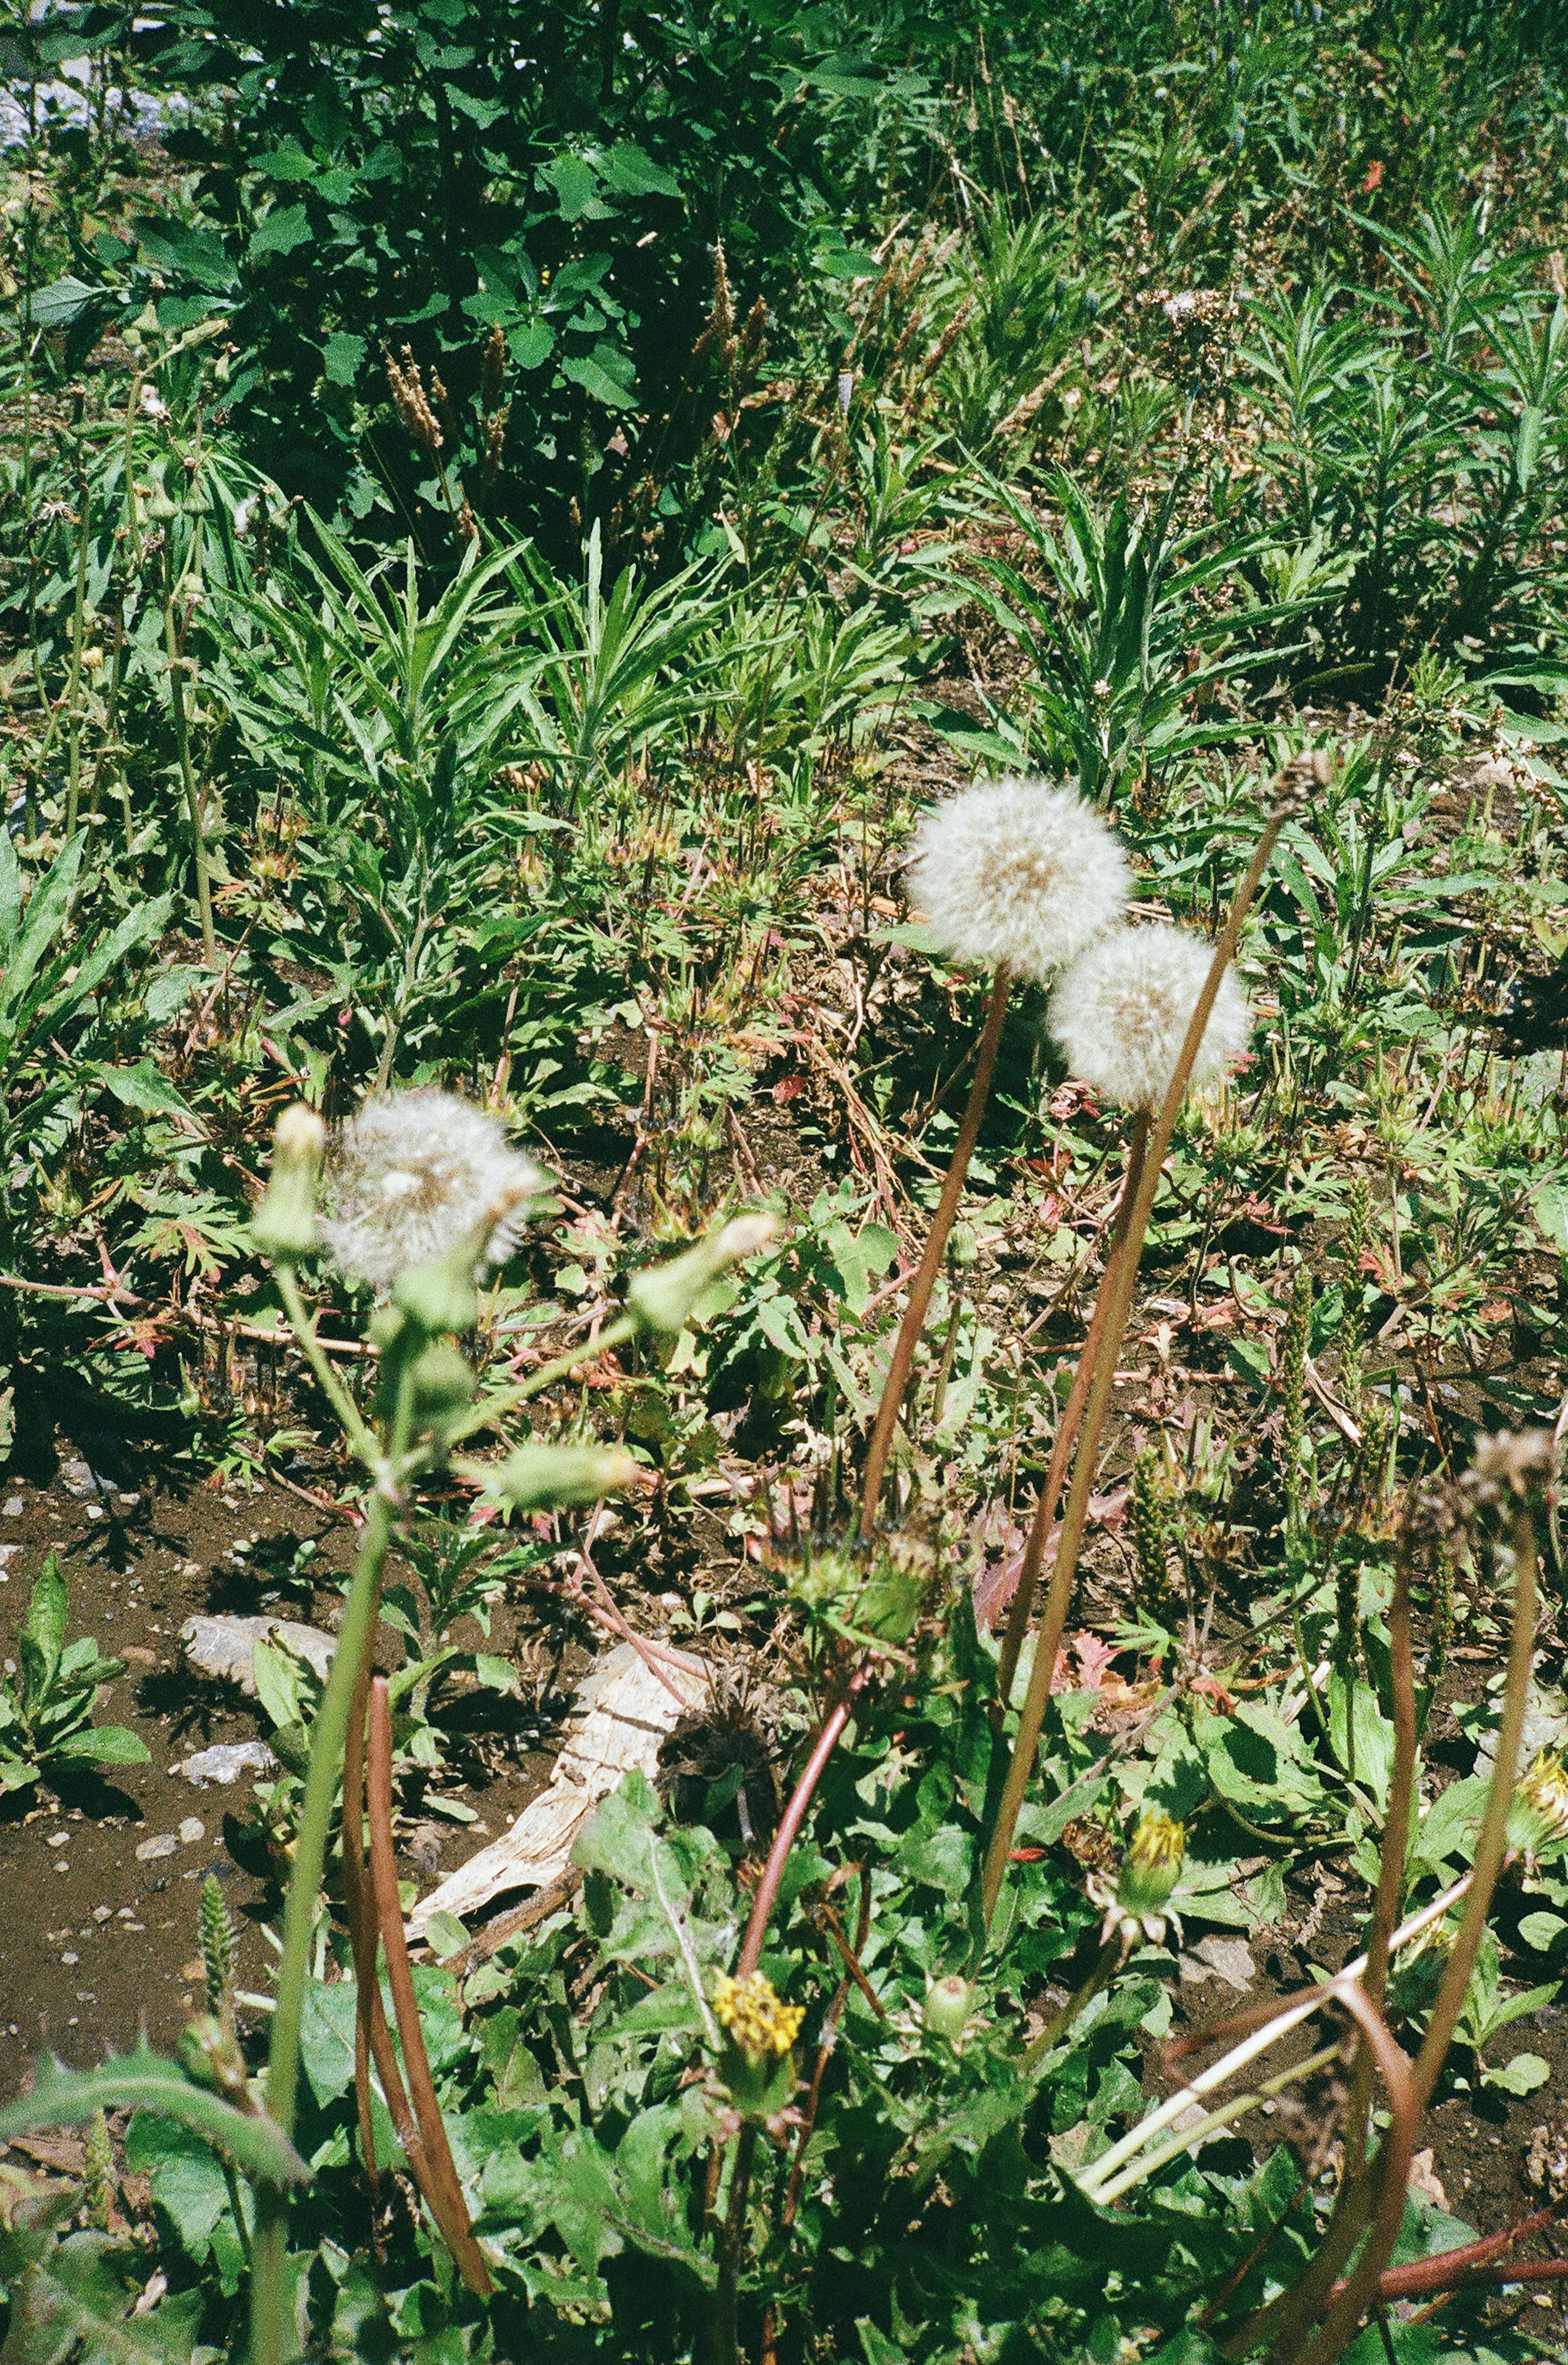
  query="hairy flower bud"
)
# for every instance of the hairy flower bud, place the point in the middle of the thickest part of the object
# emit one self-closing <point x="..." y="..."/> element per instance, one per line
<point x="948" y="2003"/>
<point x="284" y="1225"/>
<point x="664" y="1297"/>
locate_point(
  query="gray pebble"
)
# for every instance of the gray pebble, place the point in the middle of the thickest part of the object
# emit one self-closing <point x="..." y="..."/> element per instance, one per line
<point x="192" y="1829"/>
<point x="163" y="1844"/>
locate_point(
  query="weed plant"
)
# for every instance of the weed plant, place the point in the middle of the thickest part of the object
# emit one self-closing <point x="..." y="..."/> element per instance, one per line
<point x="512" y="539"/>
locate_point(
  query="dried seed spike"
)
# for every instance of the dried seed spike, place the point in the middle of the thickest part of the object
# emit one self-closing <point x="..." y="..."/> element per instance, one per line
<point x="493" y="371"/>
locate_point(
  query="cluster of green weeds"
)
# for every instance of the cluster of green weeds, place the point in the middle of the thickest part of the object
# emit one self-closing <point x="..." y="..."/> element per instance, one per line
<point x="1134" y="393"/>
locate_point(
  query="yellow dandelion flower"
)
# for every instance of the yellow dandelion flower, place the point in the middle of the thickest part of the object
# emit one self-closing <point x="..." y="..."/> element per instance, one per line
<point x="754" y="2018"/>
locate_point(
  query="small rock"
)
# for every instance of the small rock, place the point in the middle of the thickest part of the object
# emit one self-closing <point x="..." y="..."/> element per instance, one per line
<point x="71" y="1958"/>
<point x="226" y="1647"/>
<point x="78" y="1477"/>
<point x="1228" y="1959"/>
<point x="61" y="1865"/>
<point x="15" y="1508"/>
<point x="129" y="1502"/>
<point x="192" y="1830"/>
<point x="225" y="1762"/>
<point x="58" y="1839"/>
<point x="8" y="1553"/>
<point x="103" y="1913"/>
<point x="164" y="1844"/>
<point x="95" y="1510"/>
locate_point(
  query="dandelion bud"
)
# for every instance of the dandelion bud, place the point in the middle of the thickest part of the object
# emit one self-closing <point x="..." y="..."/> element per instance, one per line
<point x="1137" y="1900"/>
<point x="284" y="1225"/>
<point x="554" y="1477"/>
<point x="1121" y="1010"/>
<point x="948" y="2003"/>
<point x="1017" y="871"/>
<point x="665" y="1298"/>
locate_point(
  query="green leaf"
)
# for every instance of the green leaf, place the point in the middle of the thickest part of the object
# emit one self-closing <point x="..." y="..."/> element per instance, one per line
<point x="144" y="2080"/>
<point x="1548" y="1203"/>
<point x="56" y="306"/>
<point x="46" y="1613"/>
<point x="285" y="1685"/>
<point x="187" y="2180"/>
<point x="342" y="356"/>
<point x="281" y="230"/>
<point x="589" y="372"/>
<point x="632" y="173"/>
<point x="1541" y="1931"/>
<point x="141" y="1087"/>
<point x="575" y="185"/>
<point x="194" y="253"/>
<point x="104" y="1744"/>
<point x="1522" y="2075"/>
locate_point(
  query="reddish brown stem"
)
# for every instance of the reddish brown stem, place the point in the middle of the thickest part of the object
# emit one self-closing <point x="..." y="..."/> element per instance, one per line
<point x="1390" y="1859"/>
<point x="794" y="1814"/>
<point x="1472" y="2262"/>
<point x="1390" y="2176"/>
<point x="1119" y="1295"/>
<point x="925" y="1281"/>
<point x="445" y="2195"/>
<point x="1021" y="1608"/>
<point x="362" y="1922"/>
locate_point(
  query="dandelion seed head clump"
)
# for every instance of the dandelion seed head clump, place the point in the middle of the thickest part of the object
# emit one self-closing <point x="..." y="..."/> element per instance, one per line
<point x="416" y="1173"/>
<point x="1121" y="1014"/>
<point x="1017" y="871"/>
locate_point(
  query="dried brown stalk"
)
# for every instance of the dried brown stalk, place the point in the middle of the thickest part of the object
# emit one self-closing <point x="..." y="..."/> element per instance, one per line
<point x="443" y="2192"/>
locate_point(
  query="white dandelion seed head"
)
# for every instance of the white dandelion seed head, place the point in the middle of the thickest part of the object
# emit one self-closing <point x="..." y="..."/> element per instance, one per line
<point x="1017" y="871"/>
<point x="1121" y="1014"/>
<point x="413" y="1175"/>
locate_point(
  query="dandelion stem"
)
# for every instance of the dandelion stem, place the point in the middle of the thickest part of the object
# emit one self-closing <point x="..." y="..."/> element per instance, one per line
<point x="925" y="1281"/>
<point x="1119" y="1293"/>
<point x="1023" y="1602"/>
<point x="271" y="2343"/>
<point x="362" y="1437"/>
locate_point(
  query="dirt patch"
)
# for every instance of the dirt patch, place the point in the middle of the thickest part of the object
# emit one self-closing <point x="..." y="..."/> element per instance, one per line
<point x="102" y="1941"/>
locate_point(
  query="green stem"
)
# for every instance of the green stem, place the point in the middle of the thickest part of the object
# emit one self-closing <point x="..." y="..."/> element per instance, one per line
<point x="1107" y="1962"/>
<point x="925" y="1282"/>
<point x="362" y="1437"/>
<point x="491" y="1410"/>
<point x="271" y="2343"/>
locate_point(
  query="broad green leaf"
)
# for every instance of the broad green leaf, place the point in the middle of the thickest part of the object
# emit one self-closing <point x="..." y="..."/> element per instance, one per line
<point x="144" y="2080"/>
<point x="46" y="1614"/>
<point x="104" y="1744"/>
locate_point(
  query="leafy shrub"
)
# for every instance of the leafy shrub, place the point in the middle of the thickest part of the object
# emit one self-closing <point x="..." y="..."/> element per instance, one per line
<point x="530" y="205"/>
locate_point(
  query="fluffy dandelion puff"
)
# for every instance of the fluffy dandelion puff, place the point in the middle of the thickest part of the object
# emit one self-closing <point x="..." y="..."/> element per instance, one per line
<point x="415" y="1174"/>
<point x="1017" y="871"/>
<point x="1121" y="1014"/>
